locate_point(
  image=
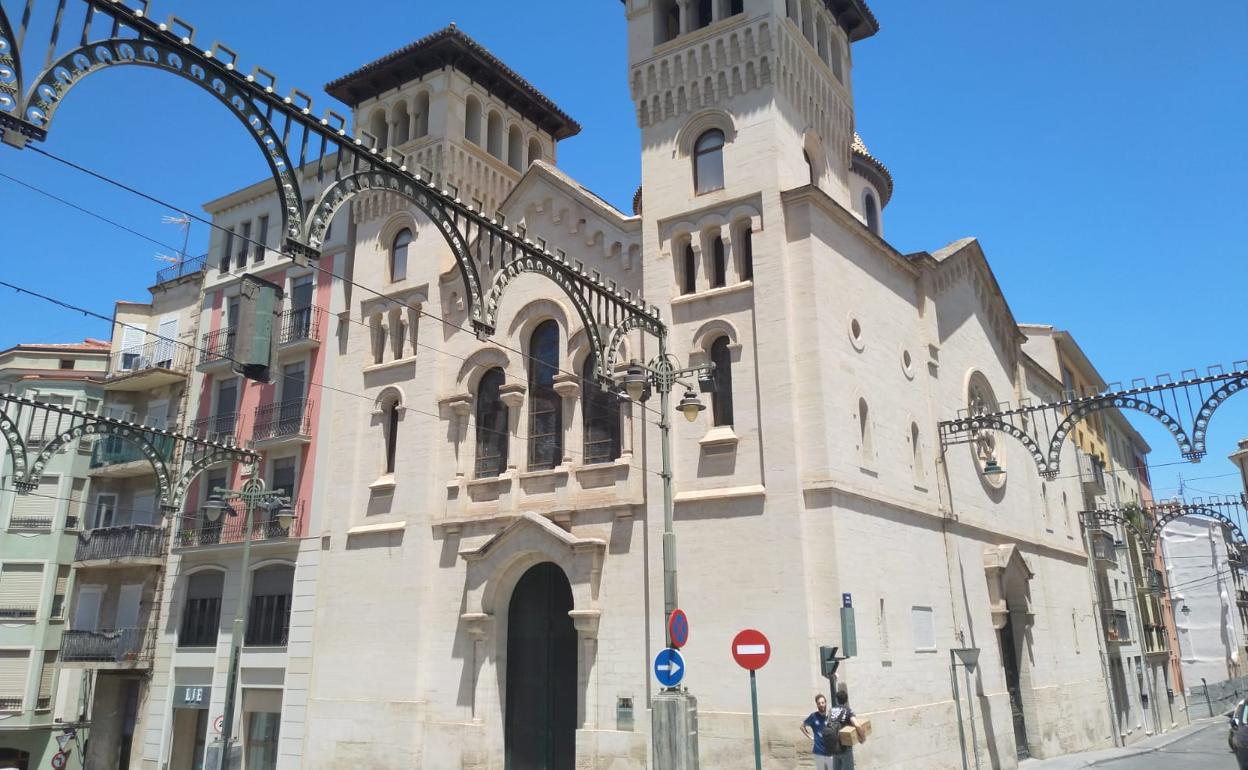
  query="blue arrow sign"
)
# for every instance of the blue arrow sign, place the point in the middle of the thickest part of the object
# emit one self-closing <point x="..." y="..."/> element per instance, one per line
<point x="669" y="667"/>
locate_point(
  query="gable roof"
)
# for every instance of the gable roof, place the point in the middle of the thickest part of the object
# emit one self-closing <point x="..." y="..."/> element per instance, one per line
<point x="450" y="47"/>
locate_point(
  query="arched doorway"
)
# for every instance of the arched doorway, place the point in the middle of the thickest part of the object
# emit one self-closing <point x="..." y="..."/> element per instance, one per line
<point x="15" y="758"/>
<point x="540" y="731"/>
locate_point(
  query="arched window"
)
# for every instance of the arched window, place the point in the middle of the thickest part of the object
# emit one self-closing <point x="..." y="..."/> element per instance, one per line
<point x="916" y="452"/>
<point x="402" y="124"/>
<point x="808" y="21"/>
<point x="704" y="14"/>
<point x="666" y="21"/>
<point x="268" y="616"/>
<point x="719" y="264"/>
<point x="821" y="40"/>
<point x="689" y="271"/>
<point x="494" y="134"/>
<point x="472" y="120"/>
<point x="721" y="399"/>
<point x="836" y="55"/>
<point x="492" y="428"/>
<point x="545" y="409"/>
<point x="535" y="150"/>
<point x="810" y="168"/>
<point x="601" y="417"/>
<point x="708" y="162"/>
<point x="201" y="613"/>
<point x="864" y="429"/>
<point x="872" y="213"/>
<point x="745" y="248"/>
<point x="422" y="114"/>
<point x="515" y="148"/>
<point x="735" y="7"/>
<point x="790" y="9"/>
<point x="398" y="255"/>
<point x="391" y="428"/>
<point x="377" y="127"/>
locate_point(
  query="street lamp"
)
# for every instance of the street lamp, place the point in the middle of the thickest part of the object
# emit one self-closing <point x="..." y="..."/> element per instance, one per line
<point x="671" y="734"/>
<point x="253" y="496"/>
<point x="967" y="658"/>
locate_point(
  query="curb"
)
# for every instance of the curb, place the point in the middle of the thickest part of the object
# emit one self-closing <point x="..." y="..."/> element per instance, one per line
<point x="1171" y="739"/>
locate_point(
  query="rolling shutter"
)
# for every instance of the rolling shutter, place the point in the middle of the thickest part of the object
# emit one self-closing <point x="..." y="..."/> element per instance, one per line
<point x="78" y="505"/>
<point x="13" y="667"/>
<point x="62" y="588"/>
<point x="40" y="502"/>
<point x="45" y="677"/>
<point x="20" y="585"/>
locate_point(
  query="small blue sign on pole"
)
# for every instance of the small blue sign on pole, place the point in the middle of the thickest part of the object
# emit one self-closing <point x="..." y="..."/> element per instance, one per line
<point x="847" y="600"/>
<point x="669" y="667"/>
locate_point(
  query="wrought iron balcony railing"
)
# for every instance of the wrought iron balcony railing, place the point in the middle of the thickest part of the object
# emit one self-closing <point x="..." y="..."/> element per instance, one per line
<point x="130" y="541"/>
<point x="299" y="324"/>
<point x="122" y="645"/>
<point x="179" y="269"/>
<point x="157" y="354"/>
<point x="195" y="530"/>
<point x="217" y="346"/>
<point x="1103" y="546"/>
<point x="43" y="703"/>
<point x="113" y="450"/>
<point x="35" y="523"/>
<point x="18" y="611"/>
<point x="285" y="420"/>
<point x="201" y="622"/>
<point x="222" y="428"/>
<point x="1117" y="627"/>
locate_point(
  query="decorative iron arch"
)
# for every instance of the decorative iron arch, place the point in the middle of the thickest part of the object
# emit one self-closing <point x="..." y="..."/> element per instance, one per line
<point x="1178" y="512"/>
<point x="192" y="472"/>
<point x="1217" y="398"/>
<point x="10" y="67"/>
<point x="415" y="190"/>
<point x="1106" y="515"/>
<point x="991" y="422"/>
<point x="1086" y="408"/>
<point x="50" y="87"/>
<point x="17" y="450"/>
<point x="134" y="434"/>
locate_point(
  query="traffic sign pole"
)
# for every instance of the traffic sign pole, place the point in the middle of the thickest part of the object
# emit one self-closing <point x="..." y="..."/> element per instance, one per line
<point x="758" y="750"/>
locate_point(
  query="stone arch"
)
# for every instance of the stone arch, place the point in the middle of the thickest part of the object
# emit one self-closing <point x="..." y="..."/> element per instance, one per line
<point x="713" y="330"/>
<point x="378" y="126"/>
<point x="701" y="122"/>
<point x="480" y="362"/>
<point x="534" y="312"/>
<point x="50" y="87"/>
<point x="391" y="394"/>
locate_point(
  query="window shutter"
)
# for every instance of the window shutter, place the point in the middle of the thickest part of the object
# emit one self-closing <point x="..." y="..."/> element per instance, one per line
<point x="13" y="667"/>
<point x="20" y="586"/>
<point x="78" y="505"/>
<point x="45" y="677"/>
<point x="62" y="590"/>
<point x="40" y="502"/>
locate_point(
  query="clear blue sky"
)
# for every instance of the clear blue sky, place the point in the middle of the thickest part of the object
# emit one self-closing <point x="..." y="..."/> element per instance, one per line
<point x="1096" y="150"/>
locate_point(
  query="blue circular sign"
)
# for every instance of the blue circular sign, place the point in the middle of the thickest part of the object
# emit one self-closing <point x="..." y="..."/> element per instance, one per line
<point x="669" y="667"/>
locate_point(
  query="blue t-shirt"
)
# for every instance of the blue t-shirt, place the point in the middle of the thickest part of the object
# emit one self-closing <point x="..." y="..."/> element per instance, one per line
<point x="816" y="723"/>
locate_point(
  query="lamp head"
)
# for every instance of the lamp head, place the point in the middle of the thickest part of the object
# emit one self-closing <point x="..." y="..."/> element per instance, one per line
<point x="993" y="468"/>
<point x="285" y="515"/>
<point x="634" y="381"/>
<point x="214" y="506"/>
<point x="690" y="405"/>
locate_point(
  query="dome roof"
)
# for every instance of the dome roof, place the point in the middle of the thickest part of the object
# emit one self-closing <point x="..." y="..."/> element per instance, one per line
<point x="870" y="168"/>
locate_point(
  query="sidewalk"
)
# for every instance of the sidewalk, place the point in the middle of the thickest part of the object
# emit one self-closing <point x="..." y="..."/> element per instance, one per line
<point x="1092" y="758"/>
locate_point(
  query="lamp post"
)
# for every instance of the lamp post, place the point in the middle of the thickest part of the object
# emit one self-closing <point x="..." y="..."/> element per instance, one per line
<point x="252" y="495"/>
<point x="967" y="658"/>
<point x="674" y="710"/>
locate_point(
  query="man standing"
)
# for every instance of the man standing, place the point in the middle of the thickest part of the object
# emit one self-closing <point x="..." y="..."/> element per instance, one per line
<point x="827" y="749"/>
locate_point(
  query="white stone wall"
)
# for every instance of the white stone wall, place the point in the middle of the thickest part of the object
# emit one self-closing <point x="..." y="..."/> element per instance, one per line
<point x="1211" y="641"/>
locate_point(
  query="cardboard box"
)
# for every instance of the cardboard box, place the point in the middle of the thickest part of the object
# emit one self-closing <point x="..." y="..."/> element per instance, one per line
<point x="849" y="735"/>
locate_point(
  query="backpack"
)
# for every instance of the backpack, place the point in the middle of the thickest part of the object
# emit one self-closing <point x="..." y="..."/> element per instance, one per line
<point x="838" y="717"/>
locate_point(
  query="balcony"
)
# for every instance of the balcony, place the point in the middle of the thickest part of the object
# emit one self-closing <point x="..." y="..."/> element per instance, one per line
<point x="221" y="428"/>
<point x="36" y="523"/>
<point x="299" y="329"/>
<point x="153" y="365"/>
<point x="192" y="266"/>
<point x="216" y="349"/>
<point x="116" y="458"/>
<point x="1150" y="580"/>
<point x="195" y="531"/>
<point x="1155" y="642"/>
<point x="124" y="546"/>
<point x="1103" y="548"/>
<point x="1117" y="627"/>
<point x="281" y="423"/>
<point x="124" y="647"/>
<point x="1091" y="472"/>
<point x="18" y="611"/>
<point x="1241" y="598"/>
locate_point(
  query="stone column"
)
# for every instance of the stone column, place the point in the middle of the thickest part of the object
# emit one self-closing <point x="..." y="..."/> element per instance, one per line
<point x="732" y="272"/>
<point x="513" y="396"/>
<point x="568" y="386"/>
<point x="626" y="419"/>
<point x="586" y="623"/>
<point x="684" y="16"/>
<point x="461" y="411"/>
<point x="478" y="625"/>
<point x="413" y="121"/>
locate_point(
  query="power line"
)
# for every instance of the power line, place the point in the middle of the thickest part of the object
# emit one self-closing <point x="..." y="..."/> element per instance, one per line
<point x="311" y="383"/>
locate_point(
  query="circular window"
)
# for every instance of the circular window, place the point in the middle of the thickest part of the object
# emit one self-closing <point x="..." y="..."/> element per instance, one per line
<point x="855" y="334"/>
<point x="988" y="451"/>
<point x="907" y="364"/>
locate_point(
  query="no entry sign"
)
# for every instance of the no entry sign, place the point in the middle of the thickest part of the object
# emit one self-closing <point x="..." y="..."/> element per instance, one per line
<point x="751" y="650"/>
<point x="678" y="628"/>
